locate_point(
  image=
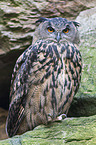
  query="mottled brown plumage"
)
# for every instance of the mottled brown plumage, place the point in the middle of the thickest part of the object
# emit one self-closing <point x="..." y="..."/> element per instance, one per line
<point x="45" y="79"/>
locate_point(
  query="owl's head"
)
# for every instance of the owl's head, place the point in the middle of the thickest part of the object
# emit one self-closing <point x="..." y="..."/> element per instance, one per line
<point x="57" y="30"/>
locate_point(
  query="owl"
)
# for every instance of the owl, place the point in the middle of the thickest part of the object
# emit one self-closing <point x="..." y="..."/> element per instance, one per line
<point x="45" y="77"/>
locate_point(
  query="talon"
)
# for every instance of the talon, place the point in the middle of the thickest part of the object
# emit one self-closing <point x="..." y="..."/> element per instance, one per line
<point x="64" y="116"/>
<point x="61" y="117"/>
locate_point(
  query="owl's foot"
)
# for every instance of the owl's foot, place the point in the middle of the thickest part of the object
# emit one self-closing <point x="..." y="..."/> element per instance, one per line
<point x="61" y="117"/>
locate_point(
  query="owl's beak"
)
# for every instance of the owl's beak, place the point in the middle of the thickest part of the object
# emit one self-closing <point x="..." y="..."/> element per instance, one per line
<point x="58" y="37"/>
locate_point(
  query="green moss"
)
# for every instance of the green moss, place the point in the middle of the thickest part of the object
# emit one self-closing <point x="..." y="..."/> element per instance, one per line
<point x="71" y="131"/>
<point x="88" y="85"/>
<point x="84" y="103"/>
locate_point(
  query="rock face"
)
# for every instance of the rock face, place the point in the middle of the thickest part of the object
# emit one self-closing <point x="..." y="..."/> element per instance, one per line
<point x="80" y="130"/>
<point x="84" y="103"/>
<point x="18" y="18"/>
<point x="72" y="131"/>
<point x="17" y="24"/>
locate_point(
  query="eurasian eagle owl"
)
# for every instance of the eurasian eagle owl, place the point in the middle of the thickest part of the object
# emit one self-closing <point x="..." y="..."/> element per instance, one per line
<point x="45" y="77"/>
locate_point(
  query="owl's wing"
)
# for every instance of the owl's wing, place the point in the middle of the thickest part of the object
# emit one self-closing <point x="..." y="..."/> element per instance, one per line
<point x="19" y="63"/>
<point x="18" y="91"/>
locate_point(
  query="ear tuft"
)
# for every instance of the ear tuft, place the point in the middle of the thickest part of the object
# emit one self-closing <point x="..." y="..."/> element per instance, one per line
<point x="41" y="19"/>
<point x="76" y="23"/>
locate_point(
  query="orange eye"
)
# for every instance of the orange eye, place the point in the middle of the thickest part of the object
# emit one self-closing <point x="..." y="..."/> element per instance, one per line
<point x="66" y="30"/>
<point x="50" y="29"/>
